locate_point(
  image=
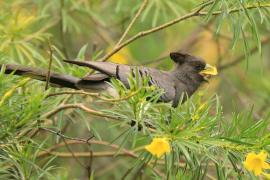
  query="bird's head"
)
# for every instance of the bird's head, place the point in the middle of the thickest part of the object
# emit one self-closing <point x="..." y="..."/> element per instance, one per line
<point x="192" y="66"/>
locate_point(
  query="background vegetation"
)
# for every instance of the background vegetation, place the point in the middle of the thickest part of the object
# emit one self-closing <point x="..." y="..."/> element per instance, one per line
<point x="52" y="135"/>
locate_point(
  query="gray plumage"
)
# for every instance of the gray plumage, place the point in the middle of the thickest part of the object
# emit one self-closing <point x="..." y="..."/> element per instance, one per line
<point x="184" y="78"/>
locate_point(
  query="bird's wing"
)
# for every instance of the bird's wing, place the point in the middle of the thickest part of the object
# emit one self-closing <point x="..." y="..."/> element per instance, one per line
<point x="158" y="78"/>
<point x="110" y="69"/>
<point x="96" y="77"/>
<point x="118" y="71"/>
<point x="163" y="80"/>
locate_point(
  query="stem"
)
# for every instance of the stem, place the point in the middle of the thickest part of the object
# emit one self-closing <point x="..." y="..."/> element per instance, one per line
<point x="79" y="106"/>
<point x="50" y="66"/>
<point x="142" y="7"/>
<point x="195" y="13"/>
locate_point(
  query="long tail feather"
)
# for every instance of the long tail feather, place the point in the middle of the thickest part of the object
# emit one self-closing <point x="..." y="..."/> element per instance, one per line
<point x="61" y="80"/>
<point x="103" y="67"/>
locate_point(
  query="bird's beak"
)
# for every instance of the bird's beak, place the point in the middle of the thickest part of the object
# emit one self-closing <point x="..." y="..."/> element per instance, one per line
<point x="208" y="71"/>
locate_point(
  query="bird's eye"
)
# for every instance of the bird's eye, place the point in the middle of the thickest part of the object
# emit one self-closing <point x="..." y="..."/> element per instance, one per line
<point x="197" y="65"/>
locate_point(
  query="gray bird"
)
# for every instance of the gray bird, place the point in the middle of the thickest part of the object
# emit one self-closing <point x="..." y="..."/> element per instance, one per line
<point x="189" y="73"/>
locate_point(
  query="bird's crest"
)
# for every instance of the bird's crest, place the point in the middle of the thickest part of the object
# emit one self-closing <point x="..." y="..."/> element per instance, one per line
<point x="178" y="57"/>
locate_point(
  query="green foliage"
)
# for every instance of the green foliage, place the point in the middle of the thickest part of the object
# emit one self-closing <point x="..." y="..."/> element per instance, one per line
<point x="209" y="136"/>
<point x="198" y="131"/>
<point x="19" y="112"/>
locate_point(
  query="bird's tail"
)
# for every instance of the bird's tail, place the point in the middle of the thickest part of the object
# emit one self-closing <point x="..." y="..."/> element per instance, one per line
<point x="60" y="80"/>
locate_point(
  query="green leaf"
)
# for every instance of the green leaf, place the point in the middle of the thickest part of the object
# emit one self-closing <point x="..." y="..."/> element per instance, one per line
<point x="81" y="54"/>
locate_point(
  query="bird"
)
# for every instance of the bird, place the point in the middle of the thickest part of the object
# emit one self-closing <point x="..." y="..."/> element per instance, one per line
<point x="186" y="77"/>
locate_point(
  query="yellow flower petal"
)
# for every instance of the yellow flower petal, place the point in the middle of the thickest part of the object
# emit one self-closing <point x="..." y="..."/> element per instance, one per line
<point x="158" y="147"/>
<point x="120" y="57"/>
<point x="257" y="171"/>
<point x="195" y="117"/>
<point x="266" y="165"/>
<point x="256" y="162"/>
<point x="248" y="163"/>
<point x="263" y="155"/>
<point x="247" y="166"/>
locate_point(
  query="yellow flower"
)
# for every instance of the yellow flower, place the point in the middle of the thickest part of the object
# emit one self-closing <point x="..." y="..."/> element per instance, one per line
<point x="152" y="87"/>
<point x="158" y="147"/>
<point x="21" y="20"/>
<point x="202" y="107"/>
<point x="195" y="117"/>
<point x="256" y="162"/>
<point x="120" y="57"/>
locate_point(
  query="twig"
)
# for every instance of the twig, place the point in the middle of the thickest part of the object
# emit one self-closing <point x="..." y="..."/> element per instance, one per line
<point x="230" y="11"/>
<point x="73" y="140"/>
<point x="172" y="22"/>
<point x="124" y="152"/>
<point x="73" y="155"/>
<point x="99" y="154"/>
<point x="89" y="166"/>
<point x="97" y="95"/>
<point x="95" y="154"/>
<point x="204" y="5"/>
<point x="139" y="12"/>
<point x="82" y="141"/>
<point x="118" y="47"/>
<point x="188" y="43"/>
<point x="58" y="133"/>
<point x="73" y="92"/>
<point x="144" y="33"/>
<point x="79" y="106"/>
<point x="64" y="137"/>
<point x="50" y="65"/>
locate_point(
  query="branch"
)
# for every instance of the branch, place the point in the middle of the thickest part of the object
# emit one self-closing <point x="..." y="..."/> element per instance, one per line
<point x="73" y="92"/>
<point x="72" y="141"/>
<point x="97" y="95"/>
<point x="188" y="43"/>
<point x="79" y="106"/>
<point x="58" y="133"/>
<point x="101" y="154"/>
<point x="231" y="11"/>
<point x="94" y="154"/>
<point x="64" y="137"/>
<point x="145" y="33"/>
<point x="204" y="5"/>
<point x="142" y="7"/>
<point x="172" y="22"/>
<point x="48" y="77"/>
